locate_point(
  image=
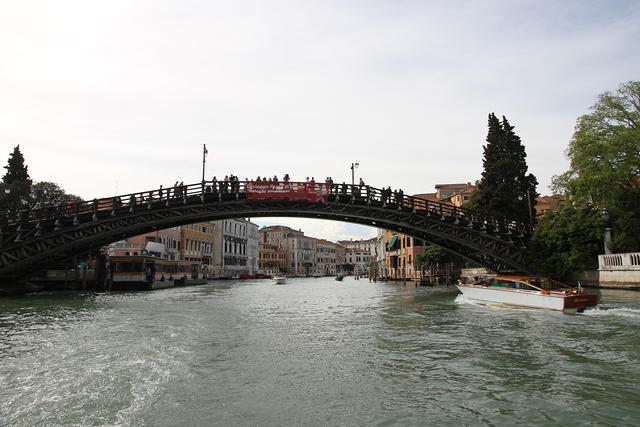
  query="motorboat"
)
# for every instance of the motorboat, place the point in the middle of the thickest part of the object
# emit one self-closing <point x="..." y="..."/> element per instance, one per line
<point x="526" y="292"/>
<point x="339" y="277"/>
<point x="279" y="280"/>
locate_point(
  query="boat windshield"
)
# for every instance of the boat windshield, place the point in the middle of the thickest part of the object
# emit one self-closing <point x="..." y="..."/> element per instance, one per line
<point x="512" y="283"/>
<point x="545" y="283"/>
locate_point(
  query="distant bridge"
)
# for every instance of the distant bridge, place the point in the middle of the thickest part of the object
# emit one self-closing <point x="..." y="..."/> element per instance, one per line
<point x="45" y="236"/>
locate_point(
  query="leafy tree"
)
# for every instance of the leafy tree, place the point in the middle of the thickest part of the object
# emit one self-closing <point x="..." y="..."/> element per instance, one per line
<point x="50" y="193"/>
<point x="605" y="163"/>
<point x="505" y="188"/>
<point x="567" y="240"/>
<point x="16" y="183"/>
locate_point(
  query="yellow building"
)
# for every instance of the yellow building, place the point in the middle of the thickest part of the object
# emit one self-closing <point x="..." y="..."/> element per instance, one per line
<point x="196" y="242"/>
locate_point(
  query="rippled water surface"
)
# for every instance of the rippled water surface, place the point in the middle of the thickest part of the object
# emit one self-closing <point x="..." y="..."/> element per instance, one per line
<point x="314" y="352"/>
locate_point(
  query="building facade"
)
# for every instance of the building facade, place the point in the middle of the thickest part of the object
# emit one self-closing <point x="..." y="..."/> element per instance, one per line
<point x="272" y="259"/>
<point x="401" y="251"/>
<point x="196" y="243"/>
<point x="231" y="249"/>
<point x="359" y="259"/>
<point x="326" y="258"/>
<point x="300" y="251"/>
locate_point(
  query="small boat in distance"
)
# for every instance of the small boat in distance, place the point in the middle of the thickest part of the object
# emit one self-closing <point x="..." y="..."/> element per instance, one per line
<point x="339" y="277"/>
<point x="526" y="292"/>
<point x="279" y="280"/>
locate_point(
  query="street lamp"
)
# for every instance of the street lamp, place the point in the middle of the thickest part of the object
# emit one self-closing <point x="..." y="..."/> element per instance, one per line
<point x="354" y="166"/>
<point x="604" y="213"/>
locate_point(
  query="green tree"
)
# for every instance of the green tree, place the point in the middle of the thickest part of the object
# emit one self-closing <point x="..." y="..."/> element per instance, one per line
<point x="50" y="193"/>
<point x="605" y="163"/>
<point x="567" y="241"/>
<point x="505" y="188"/>
<point x="16" y="183"/>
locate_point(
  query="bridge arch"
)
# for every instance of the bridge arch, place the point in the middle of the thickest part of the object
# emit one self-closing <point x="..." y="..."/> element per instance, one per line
<point x="38" y="238"/>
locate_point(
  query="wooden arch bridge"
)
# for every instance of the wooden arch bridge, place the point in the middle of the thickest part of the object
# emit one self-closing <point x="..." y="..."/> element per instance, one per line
<point x="38" y="238"/>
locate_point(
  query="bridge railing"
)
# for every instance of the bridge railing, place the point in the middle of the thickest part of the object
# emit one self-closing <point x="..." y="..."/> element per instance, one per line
<point x="230" y="190"/>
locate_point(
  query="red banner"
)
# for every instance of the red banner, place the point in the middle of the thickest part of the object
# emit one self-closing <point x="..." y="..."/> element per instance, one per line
<point x="288" y="191"/>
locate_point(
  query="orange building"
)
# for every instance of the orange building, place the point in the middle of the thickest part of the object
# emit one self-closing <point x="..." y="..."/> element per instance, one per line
<point x="401" y="252"/>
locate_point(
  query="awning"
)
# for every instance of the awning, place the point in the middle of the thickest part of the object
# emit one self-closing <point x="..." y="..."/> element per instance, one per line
<point x="392" y="242"/>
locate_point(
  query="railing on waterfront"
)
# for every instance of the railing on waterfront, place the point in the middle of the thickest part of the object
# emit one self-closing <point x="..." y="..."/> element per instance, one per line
<point x="626" y="261"/>
<point x="235" y="190"/>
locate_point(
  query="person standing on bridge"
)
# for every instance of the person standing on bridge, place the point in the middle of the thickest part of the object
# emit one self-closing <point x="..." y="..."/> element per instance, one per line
<point x="175" y="189"/>
<point x="160" y="192"/>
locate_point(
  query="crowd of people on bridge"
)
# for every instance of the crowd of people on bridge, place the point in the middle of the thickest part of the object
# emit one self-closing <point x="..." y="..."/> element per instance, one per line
<point x="232" y="184"/>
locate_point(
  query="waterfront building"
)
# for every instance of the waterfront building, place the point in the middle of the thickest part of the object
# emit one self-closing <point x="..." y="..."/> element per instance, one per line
<point x="380" y="253"/>
<point x="298" y="248"/>
<point x="196" y="243"/>
<point x="252" y="248"/>
<point x="326" y="259"/>
<point x="304" y="255"/>
<point x="300" y="251"/>
<point x="359" y="259"/>
<point x="341" y="258"/>
<point x="272" y="259"/>
<point x="230" y="255"/>
<point x="401" y="251"/>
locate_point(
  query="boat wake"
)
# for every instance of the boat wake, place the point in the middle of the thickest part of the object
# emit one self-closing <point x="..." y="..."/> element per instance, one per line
<point x="462" y="299"/>
<point x="614" y="310"/>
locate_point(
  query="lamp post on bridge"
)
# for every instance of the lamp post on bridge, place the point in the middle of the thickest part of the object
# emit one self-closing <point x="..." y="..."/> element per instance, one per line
<point x="354" y="166"/>
<point x="204" y="158"/>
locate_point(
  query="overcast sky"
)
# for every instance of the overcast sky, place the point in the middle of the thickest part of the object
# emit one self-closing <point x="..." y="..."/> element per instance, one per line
<point x="122" y="95"/>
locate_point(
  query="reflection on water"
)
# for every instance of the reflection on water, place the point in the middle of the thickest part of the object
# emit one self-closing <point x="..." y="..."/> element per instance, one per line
<point x="313" y="351"/>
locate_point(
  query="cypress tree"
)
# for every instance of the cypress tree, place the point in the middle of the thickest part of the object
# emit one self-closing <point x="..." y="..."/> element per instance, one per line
<point x="16" y="183"/>
<point x="16" y="169"/>
<point x="505" y="189"/>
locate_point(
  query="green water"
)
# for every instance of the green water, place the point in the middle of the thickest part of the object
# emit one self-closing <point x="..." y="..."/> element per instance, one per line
<point x="314" y="352"/>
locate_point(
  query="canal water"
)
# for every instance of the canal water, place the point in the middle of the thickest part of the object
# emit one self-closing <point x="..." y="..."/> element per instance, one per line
<point x="314" y="352"/>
